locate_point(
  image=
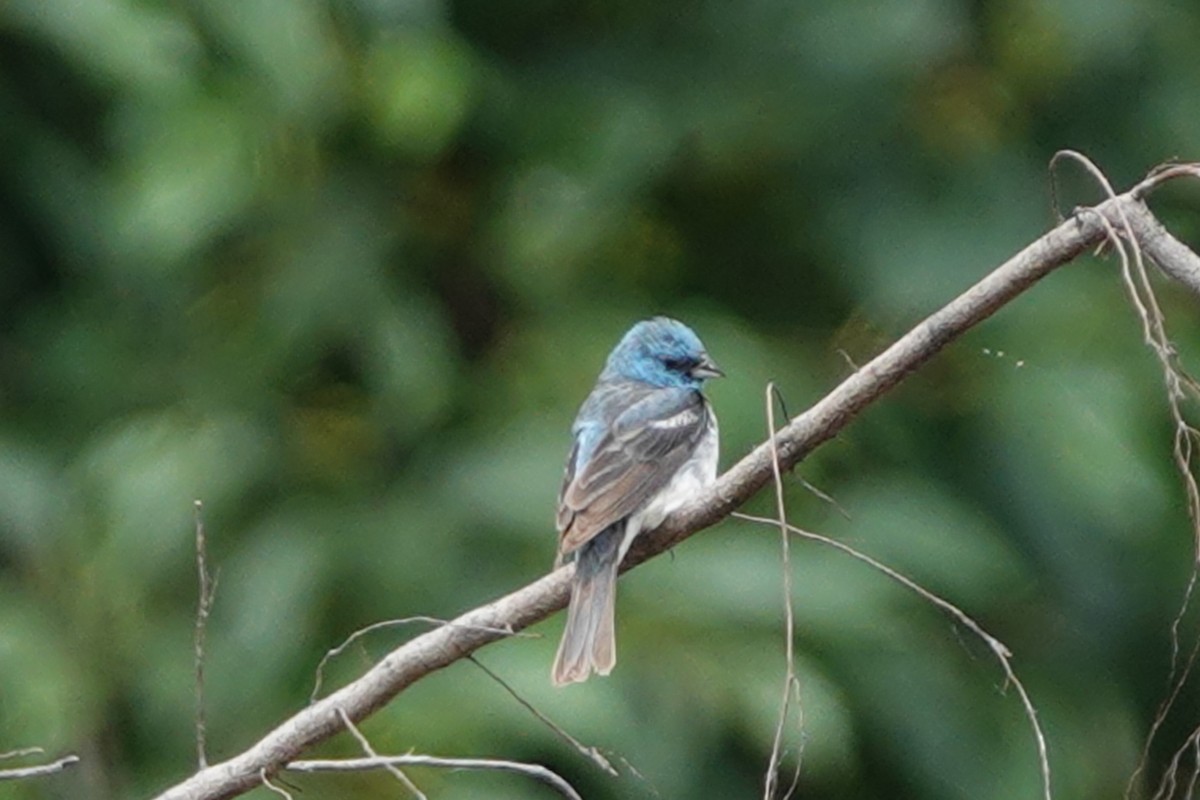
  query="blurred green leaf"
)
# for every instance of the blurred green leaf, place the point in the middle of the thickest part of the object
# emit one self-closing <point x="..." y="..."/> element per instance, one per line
<point x="345" y="271"/>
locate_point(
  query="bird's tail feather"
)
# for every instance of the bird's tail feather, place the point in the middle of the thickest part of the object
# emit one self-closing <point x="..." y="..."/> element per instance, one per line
<point x="589" y="639"/>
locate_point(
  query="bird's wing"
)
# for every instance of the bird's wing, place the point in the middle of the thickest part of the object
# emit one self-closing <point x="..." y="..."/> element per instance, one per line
<point x="631" y="460"/>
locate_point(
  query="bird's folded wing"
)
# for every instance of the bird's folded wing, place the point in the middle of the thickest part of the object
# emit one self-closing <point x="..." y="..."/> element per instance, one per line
<point x="633" y="460"/>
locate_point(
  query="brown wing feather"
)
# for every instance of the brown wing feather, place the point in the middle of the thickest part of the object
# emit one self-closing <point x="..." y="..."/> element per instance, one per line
<point x="626" y="470"/>
<point x="638" y="483"/>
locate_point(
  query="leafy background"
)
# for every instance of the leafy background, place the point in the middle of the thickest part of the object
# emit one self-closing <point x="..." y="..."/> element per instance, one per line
<point x="344" y="271"/>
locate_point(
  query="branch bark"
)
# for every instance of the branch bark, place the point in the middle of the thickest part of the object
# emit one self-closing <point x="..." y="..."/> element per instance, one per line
<point x="441" y="647"/>
<point x="1171" y="256"/>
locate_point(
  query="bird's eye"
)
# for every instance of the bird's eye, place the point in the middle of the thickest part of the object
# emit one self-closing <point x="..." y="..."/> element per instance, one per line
<point x="677" y="364"/>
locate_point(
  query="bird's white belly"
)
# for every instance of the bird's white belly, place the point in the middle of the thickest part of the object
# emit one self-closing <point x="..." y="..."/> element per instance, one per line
<point x="692" y="478"/>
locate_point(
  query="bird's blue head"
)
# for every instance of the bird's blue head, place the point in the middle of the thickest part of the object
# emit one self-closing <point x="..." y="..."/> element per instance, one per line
<point x="662" y="352"/>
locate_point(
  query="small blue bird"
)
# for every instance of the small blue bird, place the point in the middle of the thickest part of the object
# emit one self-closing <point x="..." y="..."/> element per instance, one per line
<point x="645" y="443"/>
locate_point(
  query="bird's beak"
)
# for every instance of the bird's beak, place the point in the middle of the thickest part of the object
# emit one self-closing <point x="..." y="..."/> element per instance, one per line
<point x="707" y="368"/>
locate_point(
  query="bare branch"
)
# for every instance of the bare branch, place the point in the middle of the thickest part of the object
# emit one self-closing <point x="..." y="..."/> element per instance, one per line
<point x="591" y="753"/>
<point x="279" y="790"/>
<point x="376" y="626"/>
<point x="1169" y="783"/>
<point x="832" y="413"/>
<point x="21" y="752"/>
<point x="998" y="648"/>
<point x="823" y="496"/>
<point x="1172" y="256"/>
<point x="1145" y="302"/>
<point x="791" y="684"/>
<point x="38" y="770"/>
<point x="365" y="744"/>
<point x="208" y="591"/>
<point x="439" y="648"/>
<point x="536" y="771"/>
<point x="1140" y="226"/>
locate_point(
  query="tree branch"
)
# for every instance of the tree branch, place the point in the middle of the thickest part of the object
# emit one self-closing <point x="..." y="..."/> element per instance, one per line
<point x="440" y="648"/>
<point x="1172" y="256"/>
<point x="38" y="770"/>
<point x="208" y="589"/>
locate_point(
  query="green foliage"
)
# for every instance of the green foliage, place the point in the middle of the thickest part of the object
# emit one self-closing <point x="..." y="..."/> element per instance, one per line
<point x="343" y="270"/>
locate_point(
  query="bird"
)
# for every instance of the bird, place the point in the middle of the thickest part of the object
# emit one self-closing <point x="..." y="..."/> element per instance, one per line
<point x="645" y="441"/>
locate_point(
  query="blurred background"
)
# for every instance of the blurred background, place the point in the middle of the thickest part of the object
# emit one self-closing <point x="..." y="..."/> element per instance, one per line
<point x="345" y="270"/>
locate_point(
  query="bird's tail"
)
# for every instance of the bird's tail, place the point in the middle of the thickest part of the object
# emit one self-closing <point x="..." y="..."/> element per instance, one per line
<point x="589" y="639"/>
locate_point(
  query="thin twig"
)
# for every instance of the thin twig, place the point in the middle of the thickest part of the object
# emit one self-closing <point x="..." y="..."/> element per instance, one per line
<point x="21" y="752"/>
<point x="392" y="768"/>
<point x="38" y="770"/>
<point x="1145" y="302"/>
<point x="279" y="790"/>
<point x="589" y="752"/>
<point x="392" y="623"/>
<point x="637" y="774"/>
<point x="1154" y="324"/>
<point x="1195" y="776"/>
<point x="1161" y="175"/>
<point x="828" y="498"/>
<point x="998" y="648"/>
<point x="536" y="771"/>
<point x="208" y="590"/>
<point x="791" y="684"/>
<point x="1168" y="784"/>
